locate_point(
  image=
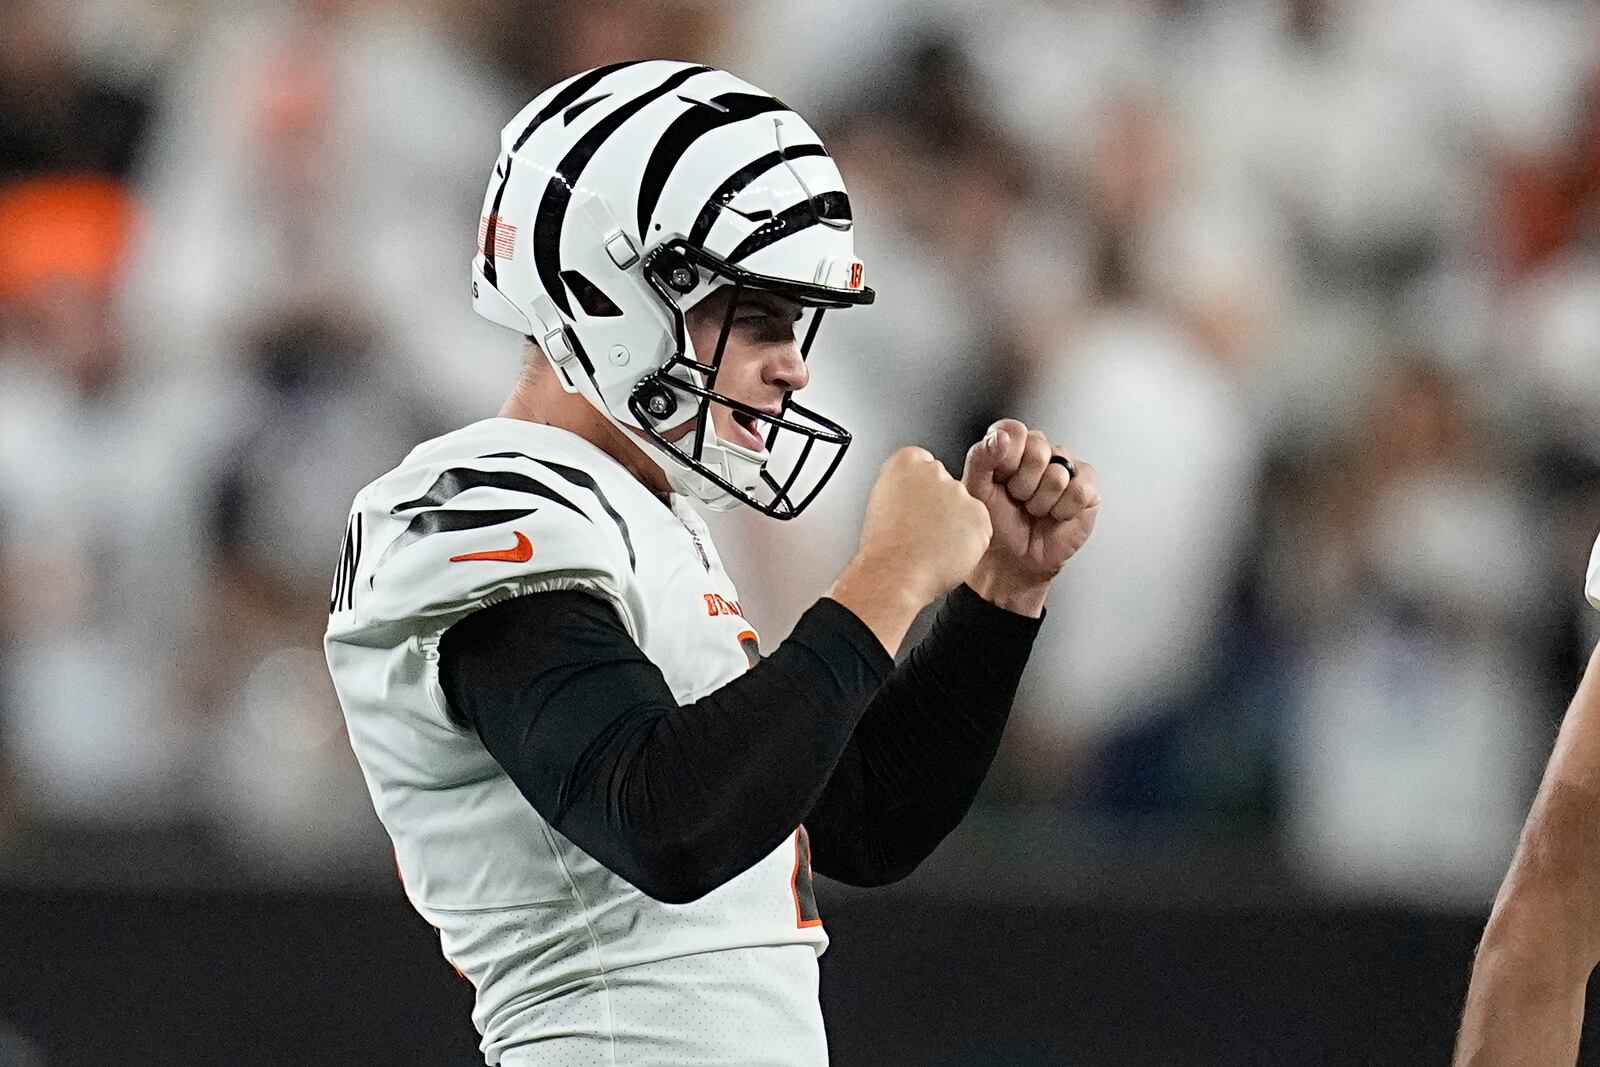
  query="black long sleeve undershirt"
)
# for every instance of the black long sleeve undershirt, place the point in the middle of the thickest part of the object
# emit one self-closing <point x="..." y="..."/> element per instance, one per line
<point x="918" y="756"/>
<point x="678" y="800"/>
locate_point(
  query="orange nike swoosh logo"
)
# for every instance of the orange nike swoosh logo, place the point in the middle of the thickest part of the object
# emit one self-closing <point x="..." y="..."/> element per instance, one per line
<point x="521" y="552"/>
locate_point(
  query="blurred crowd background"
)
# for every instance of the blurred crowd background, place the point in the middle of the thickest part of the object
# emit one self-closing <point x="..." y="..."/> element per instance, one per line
<point x="1315" y="284"/>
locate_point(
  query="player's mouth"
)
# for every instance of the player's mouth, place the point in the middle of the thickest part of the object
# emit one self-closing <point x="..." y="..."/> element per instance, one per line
<point x="749" y="427"/>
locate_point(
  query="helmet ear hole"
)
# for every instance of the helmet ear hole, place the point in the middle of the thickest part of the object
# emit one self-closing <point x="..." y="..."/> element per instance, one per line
<point x="594" y="302"/>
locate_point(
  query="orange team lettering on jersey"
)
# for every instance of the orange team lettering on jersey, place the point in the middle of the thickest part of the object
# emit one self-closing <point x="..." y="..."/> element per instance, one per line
<point x="716" y="605"/>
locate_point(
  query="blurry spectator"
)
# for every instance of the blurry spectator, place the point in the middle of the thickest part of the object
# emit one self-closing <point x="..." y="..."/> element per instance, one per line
<point x="825" y="55"/>
<point x="610" y="31"/>
<point x="1548" y="242"/>
<point x="536" y="45"/>
<point x="316" y="423"/>
<point x="1146" y="383"/>
<point x="1414" y="578"/>
<point x="56" y="116"/>
<point x="1515" y="303"/>
<point x="1356" y="118"/>
<point x="329" y="153"/>
<point x="1052" y="68"/>
<point x="99" y="468"/>
<point x="1152" y="402"/>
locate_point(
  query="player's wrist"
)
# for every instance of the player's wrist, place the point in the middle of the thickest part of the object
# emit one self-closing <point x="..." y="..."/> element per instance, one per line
<point x="881" y="595"/>
<point x="1021" y="594"/>
<point x="896" y="580"/>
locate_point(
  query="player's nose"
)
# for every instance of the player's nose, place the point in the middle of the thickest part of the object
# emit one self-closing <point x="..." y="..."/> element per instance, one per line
<point x="786" y="367"/>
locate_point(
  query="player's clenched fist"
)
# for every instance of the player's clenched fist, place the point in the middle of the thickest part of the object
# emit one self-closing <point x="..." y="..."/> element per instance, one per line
<point x="922" y="527"/>
<point x="1042" y="504"/>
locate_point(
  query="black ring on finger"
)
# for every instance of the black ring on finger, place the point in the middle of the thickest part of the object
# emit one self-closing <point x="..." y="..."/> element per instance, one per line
<point x="1065" y="462"/>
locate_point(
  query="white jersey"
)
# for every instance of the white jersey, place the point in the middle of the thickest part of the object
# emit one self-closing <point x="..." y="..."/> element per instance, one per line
<point x="572" y="965"/>
<point x="1591" y="587"/>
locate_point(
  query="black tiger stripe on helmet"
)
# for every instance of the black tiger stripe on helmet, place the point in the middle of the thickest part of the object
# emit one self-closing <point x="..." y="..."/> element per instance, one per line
<point x="564" y="98"/>
<point x="812" y="211"/>
<point x="736" y="183"/>
<point x="687" y="128"/>
<point x="552" y="213"/>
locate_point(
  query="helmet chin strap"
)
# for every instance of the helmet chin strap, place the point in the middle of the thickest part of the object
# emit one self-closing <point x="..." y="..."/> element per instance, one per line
<point x="737" y="465"/>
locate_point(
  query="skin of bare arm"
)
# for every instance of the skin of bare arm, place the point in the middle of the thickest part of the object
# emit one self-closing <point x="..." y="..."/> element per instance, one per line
<point x="1525" y="1004"/>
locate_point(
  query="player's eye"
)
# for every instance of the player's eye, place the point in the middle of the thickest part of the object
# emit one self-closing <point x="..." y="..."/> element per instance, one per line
<point x="766" y="324"/>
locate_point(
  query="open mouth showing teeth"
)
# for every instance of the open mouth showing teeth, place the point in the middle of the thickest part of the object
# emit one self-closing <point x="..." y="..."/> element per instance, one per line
<point x="747" y="423"/>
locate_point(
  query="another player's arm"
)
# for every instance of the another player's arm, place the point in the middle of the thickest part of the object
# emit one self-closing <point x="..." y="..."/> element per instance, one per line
<point x="1525" y="1004"/>
<point x="678" y="800"/>
<point x="925" y="744"/>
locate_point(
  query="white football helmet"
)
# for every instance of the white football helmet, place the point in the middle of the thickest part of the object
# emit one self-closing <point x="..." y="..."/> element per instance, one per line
<point x="625" y="195"/>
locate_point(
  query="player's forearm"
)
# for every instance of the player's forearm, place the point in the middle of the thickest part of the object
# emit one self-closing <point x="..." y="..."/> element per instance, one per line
<point x="924" y="746"/>
<point x="676" y="800"/>
<point x="726" y="779"/>
<point x="1525" y="1004"/>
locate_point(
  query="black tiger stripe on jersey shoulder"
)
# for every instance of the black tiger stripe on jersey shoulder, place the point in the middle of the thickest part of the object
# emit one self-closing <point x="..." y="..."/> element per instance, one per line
<point x="457" y="480"/>
<point x="427" y="523"/>
<point x="584" y="481"/>
<point x="439" y="518"/>
<point x="580" y="478"/>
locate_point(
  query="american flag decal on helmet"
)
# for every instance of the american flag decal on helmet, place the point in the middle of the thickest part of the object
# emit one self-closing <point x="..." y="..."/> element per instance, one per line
<point x="503" y="241"/>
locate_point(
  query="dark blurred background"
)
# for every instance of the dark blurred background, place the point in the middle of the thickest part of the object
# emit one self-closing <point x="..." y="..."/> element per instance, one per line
<point x="1314" y="283"/>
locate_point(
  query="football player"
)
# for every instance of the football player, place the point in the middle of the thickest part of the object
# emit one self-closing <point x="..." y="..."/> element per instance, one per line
<point x="1542" y="941"/>
<point x="605" y="799"/>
